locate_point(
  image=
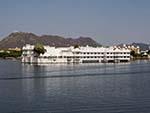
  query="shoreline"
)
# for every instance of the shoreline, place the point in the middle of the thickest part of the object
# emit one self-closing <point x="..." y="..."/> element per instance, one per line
<point x="19" y="58"/>
<point x="11" y="58"/>
<point x="140" y="58"/>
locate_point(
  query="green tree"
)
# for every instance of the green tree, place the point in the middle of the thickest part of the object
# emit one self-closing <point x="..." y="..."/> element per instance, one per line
<point x="39" y="48"/>
<point x="148" y="52"/>
<point x="132" y="53"/>
<point x="76" y="46"/>
<point x="11" y="53"/>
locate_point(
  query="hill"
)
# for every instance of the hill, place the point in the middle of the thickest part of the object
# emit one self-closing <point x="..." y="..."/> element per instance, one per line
<point x="19" y="39"/>
<point x="142" y="46"/>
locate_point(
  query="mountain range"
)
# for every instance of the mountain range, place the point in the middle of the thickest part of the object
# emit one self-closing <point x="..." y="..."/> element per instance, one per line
<point x="19" y="39"/>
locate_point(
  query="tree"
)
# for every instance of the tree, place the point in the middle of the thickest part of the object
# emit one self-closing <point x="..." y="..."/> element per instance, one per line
<point x="148" y="52"/>
<point x="39" y="48"/>
<point x="76" y="46"/>
<point x="132" y="53"/>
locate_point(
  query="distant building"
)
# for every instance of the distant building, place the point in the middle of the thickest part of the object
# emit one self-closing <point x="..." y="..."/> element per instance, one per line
<point x="136" y="49"/>
<point x="145" y="53"/>
<point x="14" y="49"/>
<point x="75" y="55"/>
<point x="2" y="51"/>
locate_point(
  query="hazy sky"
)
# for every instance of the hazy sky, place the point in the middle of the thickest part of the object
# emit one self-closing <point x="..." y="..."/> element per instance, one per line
<point x="106" y="21"/>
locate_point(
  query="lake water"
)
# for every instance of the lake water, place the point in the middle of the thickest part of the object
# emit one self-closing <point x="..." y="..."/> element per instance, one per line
<point x="78" y="88"/>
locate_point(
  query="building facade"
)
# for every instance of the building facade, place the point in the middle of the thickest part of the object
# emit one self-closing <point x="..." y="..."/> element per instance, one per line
<point x="75" y="55"/>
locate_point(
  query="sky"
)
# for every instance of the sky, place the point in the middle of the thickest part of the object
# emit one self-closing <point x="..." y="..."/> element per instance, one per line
<point x="106" y="21"/>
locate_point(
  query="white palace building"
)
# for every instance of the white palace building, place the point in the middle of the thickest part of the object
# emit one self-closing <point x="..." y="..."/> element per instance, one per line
<point x="76" y="55"/>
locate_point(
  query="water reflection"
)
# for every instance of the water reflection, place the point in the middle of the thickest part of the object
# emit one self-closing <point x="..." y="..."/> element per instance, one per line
<point x="83" y="88"/>
<point x="72" y="69"/>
